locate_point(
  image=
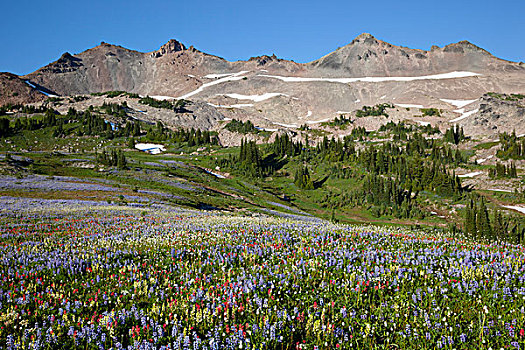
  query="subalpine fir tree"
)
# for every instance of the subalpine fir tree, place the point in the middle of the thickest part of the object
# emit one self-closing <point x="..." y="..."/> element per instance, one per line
<point x="470" y="218"/>
<point x="302" y="179"/>
<point x="482" y="220"/>
<point x="121" y="160"/>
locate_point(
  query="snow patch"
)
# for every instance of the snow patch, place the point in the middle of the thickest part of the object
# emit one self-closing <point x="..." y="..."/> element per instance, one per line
<point x="407" y="105"/>
<point x="342" y="112"/>
<point x="357" y="101"/>
<point x="28" y="83"/>
<point x="163" y="98"/>
<point x="479" y="161"/>
<point x="423" y="123"/>
<point x="215" y="174"/>
<point x="286" y="125"/>
<point x="499" y="190"/>
<point x="318" y="121"/>
<point x="218" y="75"/>
<point x="229" y="77"/>
<point x="239" y="105"/>
<point x="450" y="75"/>
<point x="37" y="89"/>
<point x="256" y="98"/>
<point x="150" y="148"/>
<point x="473" y="174"/>
<point x="458" y="103"/>
<point x="463" y="114"/>
<point x="515" y="207"/>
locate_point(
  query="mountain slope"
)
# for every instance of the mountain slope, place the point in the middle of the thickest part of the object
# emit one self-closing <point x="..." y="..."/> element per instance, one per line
<point x="14" y="90"/>
<point x="367" y="71"/>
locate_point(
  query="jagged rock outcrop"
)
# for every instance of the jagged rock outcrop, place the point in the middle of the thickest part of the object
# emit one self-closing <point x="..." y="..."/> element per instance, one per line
<point x="170" y="47"/>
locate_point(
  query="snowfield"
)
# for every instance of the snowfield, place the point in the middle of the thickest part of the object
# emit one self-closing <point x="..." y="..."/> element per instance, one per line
<point x="458" y="103"/>
<point x="28" y="83"/>
<point x="515" y="207"/>
<point x="450" y="75"/>
<point x="163" y="98"/>
<point x="482" y="160"/>
<point x="471" y="174"/>
<point x="218" y="75"/>
<point x="239" y="105"/>
<point x="150" y="148"/>
<point x="43" y="92"/>
<point x="318" y="121"/>
<point x="224" y="79"/>
<point x="463" y="114"/>
<point x="286" y="125"/>
<point x="256" y="98"/>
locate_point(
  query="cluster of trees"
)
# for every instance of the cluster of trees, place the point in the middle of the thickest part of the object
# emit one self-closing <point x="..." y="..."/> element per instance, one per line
<point x="20" y="108"/>
<point x="511" y="97"/>
<point x="49" y="119"/>
<point x="388" y="197"/>
<point x="113" y="158"/>
<point x="413" y="173"/>
<point x="337" y="150"/>
<point x="358" y="133"/>
<point x="115" y="94"/>
<point x="511" y="146"/>
<point x="241" y="127"/>
<point x="375" y="111"/>
<point x="93" y="125"/>
<point x="195" y="137"/>
<point x="478" y="223"/>
<point x="115" y="109"/>
<point x="447" y="155"/>
<point x="284" y="145"/>
<point x="502" y="170"/>
<point x="340" y="121"/>
<point x="5" y="130"/>
<point x="401" y="130"/>
<point x="178" y="106"/>
<point x="429" y="112"/>
<point x="454" y="135"/>
<point x="302" y="178"/>
<point x="250" y="160"/>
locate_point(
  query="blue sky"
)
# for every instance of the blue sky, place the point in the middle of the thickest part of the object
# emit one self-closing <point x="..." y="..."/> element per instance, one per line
<point x="35" y="33"/>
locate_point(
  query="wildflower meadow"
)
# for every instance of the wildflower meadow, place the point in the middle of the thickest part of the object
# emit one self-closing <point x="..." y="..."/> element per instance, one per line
<point x="192" y="281"/>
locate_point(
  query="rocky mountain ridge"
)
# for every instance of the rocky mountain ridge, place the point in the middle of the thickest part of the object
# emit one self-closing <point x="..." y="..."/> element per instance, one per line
<point x="367" y="71"/>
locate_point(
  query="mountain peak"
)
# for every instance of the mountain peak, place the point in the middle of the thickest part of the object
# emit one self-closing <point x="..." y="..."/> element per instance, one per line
<point x="171" y="46"/>
<point x="365" y="38"/>
<point x="464" y="45"/>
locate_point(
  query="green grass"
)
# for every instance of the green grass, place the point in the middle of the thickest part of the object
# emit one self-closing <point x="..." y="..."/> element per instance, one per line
<point x="486" y="145"/>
